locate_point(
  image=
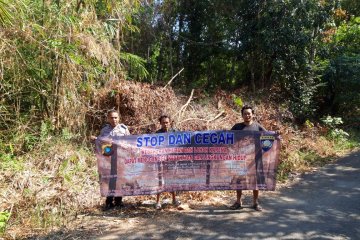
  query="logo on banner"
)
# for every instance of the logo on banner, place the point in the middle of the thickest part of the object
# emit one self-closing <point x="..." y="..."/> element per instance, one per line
<point x="266" y="142"/>
<point x="107" y="149"/>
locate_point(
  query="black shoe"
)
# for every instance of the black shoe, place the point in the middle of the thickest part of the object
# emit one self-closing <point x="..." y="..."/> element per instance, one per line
<point x="236" y="206"/>
<point x="118" y="202"/>
<point x="109" y="200"/>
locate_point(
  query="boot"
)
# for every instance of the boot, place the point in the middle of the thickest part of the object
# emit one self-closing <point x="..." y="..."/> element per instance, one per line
<point x="118" y="202"/>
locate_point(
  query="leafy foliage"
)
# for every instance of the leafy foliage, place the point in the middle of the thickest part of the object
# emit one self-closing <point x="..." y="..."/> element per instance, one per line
<point x="256" y="44"/>
<point x="334" y="132"/>
<point x="5" y="17"/>
<point x="54" y="60"/>
<point x="238" y="101"/>
<point x="135" y="65"/>
<point x="4" y="217"/>
<point x="342" y="92"/>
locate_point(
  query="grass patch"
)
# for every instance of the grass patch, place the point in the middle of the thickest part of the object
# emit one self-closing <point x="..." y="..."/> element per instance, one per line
<point x="300" y="161"/>
<point x="315" y="153"/>
<point x="4" y="217"/>
<point x="47" y="186"/>
<point x="283" y="171"/>
<point x="312" y="158"/>
<point x="10" y="163"/>
<point x="349" y="143"/>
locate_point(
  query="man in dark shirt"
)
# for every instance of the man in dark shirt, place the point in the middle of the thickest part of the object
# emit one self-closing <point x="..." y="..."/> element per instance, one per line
<point x="248" y="125"/>
<point x="165" y="127"/>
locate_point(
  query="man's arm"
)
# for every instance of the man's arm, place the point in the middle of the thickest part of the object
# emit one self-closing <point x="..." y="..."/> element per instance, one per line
<point x="261" y="128"/>
<point x="104" y="136"/>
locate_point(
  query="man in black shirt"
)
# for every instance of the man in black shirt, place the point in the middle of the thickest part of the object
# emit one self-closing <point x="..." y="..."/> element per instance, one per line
<point x="248" y="125"/>
<point x="165" y="127"/>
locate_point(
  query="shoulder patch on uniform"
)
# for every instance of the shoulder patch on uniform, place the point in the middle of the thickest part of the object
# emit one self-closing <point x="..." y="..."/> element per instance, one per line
<point x="123" y="126"/>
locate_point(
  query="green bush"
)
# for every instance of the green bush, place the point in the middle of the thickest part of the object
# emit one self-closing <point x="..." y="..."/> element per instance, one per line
<point x="238" y="101"/>
<point x="335" y="133"/>
<point x="4" y="217"/>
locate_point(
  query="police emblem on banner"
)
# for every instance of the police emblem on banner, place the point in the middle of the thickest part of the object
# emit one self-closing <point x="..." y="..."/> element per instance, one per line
<point x="107" y="149"/>
<point x="266" y="142"/>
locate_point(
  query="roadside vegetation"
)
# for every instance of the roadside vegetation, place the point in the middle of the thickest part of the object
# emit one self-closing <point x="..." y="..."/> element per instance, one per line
<point x="63" y="64"/>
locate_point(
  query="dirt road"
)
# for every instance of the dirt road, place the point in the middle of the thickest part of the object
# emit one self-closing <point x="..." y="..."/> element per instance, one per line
<point x="322" y="205"/>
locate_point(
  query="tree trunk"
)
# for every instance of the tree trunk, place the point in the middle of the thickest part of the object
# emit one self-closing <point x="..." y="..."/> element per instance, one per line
<point x="252" y="72"/>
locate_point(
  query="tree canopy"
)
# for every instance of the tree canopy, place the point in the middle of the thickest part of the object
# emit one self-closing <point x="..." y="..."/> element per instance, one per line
<point x="56" y="55"/>
<point x="252" y="43"/>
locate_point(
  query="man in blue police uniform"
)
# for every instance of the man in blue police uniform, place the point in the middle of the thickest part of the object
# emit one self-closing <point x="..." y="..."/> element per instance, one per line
<point x="110" y="131"/>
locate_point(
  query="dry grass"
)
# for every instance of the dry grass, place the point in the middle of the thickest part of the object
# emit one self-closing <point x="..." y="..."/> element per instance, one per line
<point x="54" y="183"/>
